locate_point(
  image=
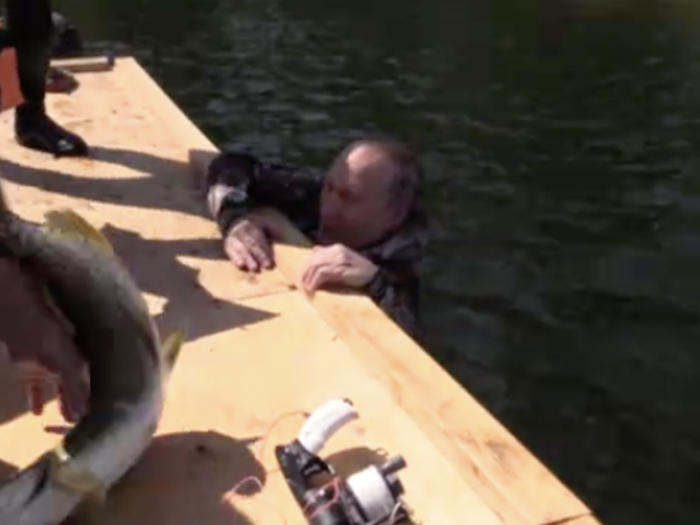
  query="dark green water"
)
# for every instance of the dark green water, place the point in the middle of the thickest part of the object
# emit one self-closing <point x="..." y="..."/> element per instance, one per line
<point x="561" y="140"/>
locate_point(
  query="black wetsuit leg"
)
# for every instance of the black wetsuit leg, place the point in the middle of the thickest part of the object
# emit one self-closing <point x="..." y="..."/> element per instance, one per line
<point x="31" y="27"/>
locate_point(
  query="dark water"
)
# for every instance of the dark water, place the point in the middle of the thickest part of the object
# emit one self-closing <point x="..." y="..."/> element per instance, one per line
<point x="561" y="140"/>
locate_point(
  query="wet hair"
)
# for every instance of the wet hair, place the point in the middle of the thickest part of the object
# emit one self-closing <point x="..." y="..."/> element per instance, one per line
<point x="406" y="184"/>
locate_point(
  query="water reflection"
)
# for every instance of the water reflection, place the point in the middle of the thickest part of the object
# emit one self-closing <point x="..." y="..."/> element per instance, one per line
<point x="561" y="139"/>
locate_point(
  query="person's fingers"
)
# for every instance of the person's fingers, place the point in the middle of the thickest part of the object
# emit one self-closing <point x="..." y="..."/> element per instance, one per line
<point x="317" y="260"/>
<point x="62" y="358"/>
<point x="232" y="249"/>
<point x="39" y="385"/>
<point x="39" y="340"/>
<point x="257" y="247"/>
<point x="321" y="276"/>
<point x="38" y="392"/>
<point x="240" y="255"/>
<point x="73" y="400"/>
<point x="306" y="274"/>
<point x="35" y="397"/>
<point x="249" y="247"/>
<point x="317" y="274"/>
<point x="249" y="261"/>
<point x="262" y="252"/>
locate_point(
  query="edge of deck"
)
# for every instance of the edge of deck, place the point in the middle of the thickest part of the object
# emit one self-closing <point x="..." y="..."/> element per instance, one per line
<point x="508" y="477"/>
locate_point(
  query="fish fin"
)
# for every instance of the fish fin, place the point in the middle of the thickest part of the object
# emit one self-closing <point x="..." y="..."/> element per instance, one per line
<point x="170" y="348"/>
<point x="66" y="222"/>
<point x="77" y="480"/>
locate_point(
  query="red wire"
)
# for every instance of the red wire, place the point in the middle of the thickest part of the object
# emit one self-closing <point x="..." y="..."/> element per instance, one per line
<point x="268" y="432"/>
<point x="234" y="491"/>
<point x="36" y="378"/>
<point x="335" y="483"/>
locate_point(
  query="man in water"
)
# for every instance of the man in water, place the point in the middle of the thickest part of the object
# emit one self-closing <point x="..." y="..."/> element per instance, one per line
<point x="30" y="30"/>
<point x="365" y="214"/>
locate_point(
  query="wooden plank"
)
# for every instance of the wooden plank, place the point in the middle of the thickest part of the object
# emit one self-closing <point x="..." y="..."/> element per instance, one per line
<point x="310" y="367"/>
<point x="266" y="353"/>
<point x="223" y="398"/>
<point x="497" y="466"/>
<point x="508" y="476"/>
<point x="136" y="184"/>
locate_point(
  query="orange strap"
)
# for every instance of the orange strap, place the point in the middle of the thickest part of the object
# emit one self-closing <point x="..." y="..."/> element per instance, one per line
<point x="10" y="93"/>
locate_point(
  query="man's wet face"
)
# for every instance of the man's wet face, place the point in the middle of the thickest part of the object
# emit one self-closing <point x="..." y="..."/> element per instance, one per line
<point x="356" y="207"/>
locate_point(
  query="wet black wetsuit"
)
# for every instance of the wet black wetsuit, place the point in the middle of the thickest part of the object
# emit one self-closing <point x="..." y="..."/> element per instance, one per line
<point x="30" y="30"/>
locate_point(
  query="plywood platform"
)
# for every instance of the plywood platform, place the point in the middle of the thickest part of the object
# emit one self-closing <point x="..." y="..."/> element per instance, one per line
<point x="257" y="349"/>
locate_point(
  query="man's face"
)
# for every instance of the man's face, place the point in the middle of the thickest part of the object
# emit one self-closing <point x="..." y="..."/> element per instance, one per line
<point x="356" y="207"/>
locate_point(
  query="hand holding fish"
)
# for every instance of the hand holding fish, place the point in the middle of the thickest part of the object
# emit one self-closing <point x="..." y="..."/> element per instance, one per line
<point x="39" y="342"/>
<point x="40" y="385"/>
<point x="337" y="264"/>
<point x="76" y="263"/>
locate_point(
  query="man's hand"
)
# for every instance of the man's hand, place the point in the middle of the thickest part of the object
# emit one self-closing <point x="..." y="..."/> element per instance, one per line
<point x="40" y="343"/>
<point x="339" y="265"/>
<point x="248" y="243"/>
<point x="40" y="385"/>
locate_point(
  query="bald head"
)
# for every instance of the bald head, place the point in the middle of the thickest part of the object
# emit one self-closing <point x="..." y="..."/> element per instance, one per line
<point x="391" y="163"/>
<point x="370" y="188"/>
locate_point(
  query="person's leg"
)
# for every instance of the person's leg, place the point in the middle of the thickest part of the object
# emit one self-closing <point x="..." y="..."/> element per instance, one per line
<point x="30" y="25"/>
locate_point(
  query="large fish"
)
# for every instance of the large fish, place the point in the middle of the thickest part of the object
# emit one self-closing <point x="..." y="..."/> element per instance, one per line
<point x="128" y="367"/>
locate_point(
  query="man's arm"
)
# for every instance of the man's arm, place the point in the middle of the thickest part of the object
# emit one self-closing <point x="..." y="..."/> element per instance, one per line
<point x="395" y="289"/>
<point x="292" y="191"/>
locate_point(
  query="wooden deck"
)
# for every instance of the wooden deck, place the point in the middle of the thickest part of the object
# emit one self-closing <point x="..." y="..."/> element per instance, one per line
<point x="258" y="348"/>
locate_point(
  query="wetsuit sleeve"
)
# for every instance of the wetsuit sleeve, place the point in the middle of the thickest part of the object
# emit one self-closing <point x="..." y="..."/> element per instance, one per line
<point x="395" y="291"/>
<point x="293" y="191"/>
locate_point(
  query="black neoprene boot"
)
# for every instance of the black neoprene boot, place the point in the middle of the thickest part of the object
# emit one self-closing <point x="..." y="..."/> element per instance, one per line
<point x="36" y="130"/>
<point x="31" y="29"/>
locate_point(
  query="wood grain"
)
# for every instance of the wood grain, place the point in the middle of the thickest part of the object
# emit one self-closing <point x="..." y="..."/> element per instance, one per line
<point x="256" y="348"/>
